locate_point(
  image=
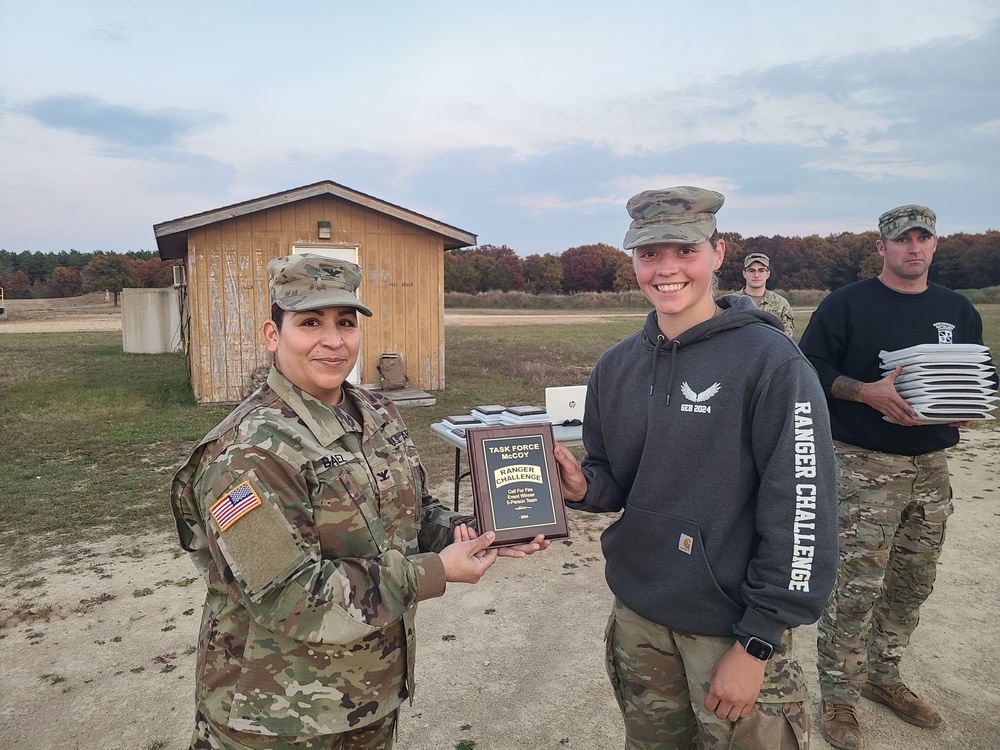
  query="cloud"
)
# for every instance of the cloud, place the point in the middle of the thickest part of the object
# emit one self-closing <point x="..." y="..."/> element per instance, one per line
<point x="815" y="147"/>
<point x="122" y="130"/>
<point x="539" y="158"/>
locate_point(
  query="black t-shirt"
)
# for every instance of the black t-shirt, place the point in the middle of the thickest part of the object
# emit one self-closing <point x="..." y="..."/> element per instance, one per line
<point x="847" y="332"/>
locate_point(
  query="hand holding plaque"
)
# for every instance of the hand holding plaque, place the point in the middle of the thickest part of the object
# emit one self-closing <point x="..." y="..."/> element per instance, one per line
<point x="515" y="483"/>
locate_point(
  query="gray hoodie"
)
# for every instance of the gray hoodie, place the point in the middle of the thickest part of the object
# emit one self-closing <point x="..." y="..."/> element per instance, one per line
<point x="716" y="445"/>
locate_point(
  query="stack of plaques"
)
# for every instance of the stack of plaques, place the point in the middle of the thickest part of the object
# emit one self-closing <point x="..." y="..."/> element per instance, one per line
<point x="524" y="415"/>
<point x="944" y="382"/>
<point x="458" y="424"/>
<point x="490" y="414"/>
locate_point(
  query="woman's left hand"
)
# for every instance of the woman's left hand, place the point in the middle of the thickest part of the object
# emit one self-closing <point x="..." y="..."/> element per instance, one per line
<point x="735" y="686"/>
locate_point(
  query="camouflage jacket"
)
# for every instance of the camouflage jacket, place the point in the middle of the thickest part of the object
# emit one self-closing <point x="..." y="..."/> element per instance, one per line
<point x="309" y="529"/>
<point x="778" y="306"/>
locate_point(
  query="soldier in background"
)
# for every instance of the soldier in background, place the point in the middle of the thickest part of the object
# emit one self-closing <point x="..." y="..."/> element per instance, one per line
<point x="307" y="512"/>
<point x="895" y="492"/>
<point x="756" y="271"/>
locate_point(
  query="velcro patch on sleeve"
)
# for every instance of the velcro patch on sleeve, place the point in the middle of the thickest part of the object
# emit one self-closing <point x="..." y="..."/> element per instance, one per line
<point x="263" y="549"/>
<point x="235" y="504"/>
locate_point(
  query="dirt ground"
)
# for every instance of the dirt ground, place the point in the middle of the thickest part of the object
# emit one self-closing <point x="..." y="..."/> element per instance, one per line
<point x="91" y="312"/>
<point x="96" y="644"/>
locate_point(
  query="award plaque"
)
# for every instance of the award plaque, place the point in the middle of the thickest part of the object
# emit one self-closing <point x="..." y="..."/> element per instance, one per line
<point x="515" y="483"/>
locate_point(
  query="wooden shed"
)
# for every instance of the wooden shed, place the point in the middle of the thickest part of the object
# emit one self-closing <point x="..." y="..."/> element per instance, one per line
<point x="224" y="284"/>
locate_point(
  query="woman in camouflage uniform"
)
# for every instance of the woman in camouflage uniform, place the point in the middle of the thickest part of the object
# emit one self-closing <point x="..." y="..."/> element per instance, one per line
<point x="306" y="510"/>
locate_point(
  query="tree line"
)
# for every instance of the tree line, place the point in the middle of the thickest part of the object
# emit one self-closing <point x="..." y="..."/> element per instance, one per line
<point x="962" y="261"/>
<point x="71" y="273"/>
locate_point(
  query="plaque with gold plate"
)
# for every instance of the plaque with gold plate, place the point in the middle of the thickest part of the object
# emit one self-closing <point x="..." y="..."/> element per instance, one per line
<point x="515" y="483"/>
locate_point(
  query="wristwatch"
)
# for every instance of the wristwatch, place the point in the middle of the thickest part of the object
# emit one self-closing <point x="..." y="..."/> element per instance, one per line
<point x="756" y="647"/>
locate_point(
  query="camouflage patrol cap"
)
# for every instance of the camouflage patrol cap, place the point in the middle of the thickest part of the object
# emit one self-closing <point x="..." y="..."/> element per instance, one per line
<point x="677" y="214"/>
<point x="308" y="282"/>
<point x="757" y="258"/>
<point x="896" y="221"/>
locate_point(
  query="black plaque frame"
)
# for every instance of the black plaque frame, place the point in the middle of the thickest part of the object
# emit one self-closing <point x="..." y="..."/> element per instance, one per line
<point x="515" y="483"/>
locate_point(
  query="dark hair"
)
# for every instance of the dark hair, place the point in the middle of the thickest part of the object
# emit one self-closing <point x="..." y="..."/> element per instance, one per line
<point x="277" y="314"/>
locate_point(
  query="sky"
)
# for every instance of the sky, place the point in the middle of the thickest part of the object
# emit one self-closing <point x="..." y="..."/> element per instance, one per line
<point x="528" y="124"/>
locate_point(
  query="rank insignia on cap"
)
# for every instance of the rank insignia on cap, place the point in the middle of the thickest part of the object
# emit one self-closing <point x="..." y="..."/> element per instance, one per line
<point x="234" y="505"/>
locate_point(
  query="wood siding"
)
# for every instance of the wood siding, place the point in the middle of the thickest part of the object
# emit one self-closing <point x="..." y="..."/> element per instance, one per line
<point x="228" y="301"/>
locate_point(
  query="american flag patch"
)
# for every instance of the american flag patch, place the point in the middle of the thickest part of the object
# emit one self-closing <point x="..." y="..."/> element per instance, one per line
<point x="233" y="506"/>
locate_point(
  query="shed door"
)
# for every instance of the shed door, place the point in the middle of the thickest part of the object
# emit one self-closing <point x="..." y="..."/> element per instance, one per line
<point x="340" y="253"/>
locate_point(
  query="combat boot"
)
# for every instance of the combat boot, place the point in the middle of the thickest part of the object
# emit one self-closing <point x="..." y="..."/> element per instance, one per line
<point x="839" y="725"/>
<point x="906" y="704"/>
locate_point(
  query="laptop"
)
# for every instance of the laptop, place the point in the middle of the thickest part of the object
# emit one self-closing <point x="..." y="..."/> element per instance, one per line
<point x="565" y="404"/>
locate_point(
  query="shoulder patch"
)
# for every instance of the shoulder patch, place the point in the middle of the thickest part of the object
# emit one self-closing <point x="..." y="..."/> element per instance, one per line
<point x="235" y="504"/>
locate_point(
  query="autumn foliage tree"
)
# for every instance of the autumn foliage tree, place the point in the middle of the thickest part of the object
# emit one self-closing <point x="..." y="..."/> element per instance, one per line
<point x="65" y="282"/>
<point x="483" y="269"/>
<point x="543" y="274"/>
<point x="730" y="273"/>
<point x="39" y="278"/>
<point x="507" y="274"/>
<point x="16" y="285"/>
<point x="460" y="275"/>
<point x="625" y="280"/>
<point x="153" y="273"/>
<point x="582" y="270"/>
<point x="592" y="268"/>
<point x="110" y="272"/>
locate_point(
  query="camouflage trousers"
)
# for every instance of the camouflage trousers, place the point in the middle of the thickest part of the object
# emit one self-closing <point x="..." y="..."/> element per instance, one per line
<point x="378" y="735"/>
<point x="661" y="677"/>
<point x="893" y="511"/>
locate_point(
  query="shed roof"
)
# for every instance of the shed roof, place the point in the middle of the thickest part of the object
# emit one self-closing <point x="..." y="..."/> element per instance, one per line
<point x="171" y="236"/>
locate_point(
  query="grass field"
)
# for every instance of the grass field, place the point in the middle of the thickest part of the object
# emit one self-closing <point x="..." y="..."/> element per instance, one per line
<point x="89" y="436"/>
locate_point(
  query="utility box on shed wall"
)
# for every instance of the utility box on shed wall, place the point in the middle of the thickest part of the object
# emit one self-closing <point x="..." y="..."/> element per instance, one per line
<point x="151" y="321"/>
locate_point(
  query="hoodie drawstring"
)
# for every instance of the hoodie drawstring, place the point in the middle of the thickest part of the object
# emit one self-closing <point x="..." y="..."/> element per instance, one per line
<point x="670" y="380"/>
<point x="660" y="341"/>
<point x="652" y="374"/>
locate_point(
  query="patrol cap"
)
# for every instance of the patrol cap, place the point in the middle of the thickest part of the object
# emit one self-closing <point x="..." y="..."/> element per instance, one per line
<point x="896" y="221"/>
<point x="677" y="214"/>
<point x="757" y="258"/>
<point x="308" y="282"/>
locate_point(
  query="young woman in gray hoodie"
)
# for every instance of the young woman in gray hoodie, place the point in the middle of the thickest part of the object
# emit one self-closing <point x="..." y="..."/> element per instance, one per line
<point x="708" y="431"/>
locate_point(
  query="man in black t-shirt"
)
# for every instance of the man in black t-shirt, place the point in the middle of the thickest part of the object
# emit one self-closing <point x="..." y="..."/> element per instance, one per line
<point x="895" y="492"/>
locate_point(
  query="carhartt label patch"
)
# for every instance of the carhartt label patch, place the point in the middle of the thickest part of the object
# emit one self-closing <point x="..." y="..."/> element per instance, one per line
<point x="234" y="505"/>
<point x="685" y="543"/>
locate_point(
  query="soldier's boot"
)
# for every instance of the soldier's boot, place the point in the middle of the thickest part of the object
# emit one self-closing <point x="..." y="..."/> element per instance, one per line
<point x="906" y="704"/>
<point x="839" y="725"/>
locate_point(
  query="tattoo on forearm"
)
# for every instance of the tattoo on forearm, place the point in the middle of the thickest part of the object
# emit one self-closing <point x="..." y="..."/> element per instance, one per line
<point x="846" y="388"/>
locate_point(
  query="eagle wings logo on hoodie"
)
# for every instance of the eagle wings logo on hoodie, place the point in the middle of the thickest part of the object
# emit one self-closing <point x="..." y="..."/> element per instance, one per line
<point x="697" y="398"/>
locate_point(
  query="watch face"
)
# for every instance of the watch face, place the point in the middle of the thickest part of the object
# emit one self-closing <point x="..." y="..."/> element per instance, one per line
<point x="759" y="649"/>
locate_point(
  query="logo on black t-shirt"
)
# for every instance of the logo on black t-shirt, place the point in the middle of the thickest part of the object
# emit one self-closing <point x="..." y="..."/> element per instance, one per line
<point x="944" y="332"/>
